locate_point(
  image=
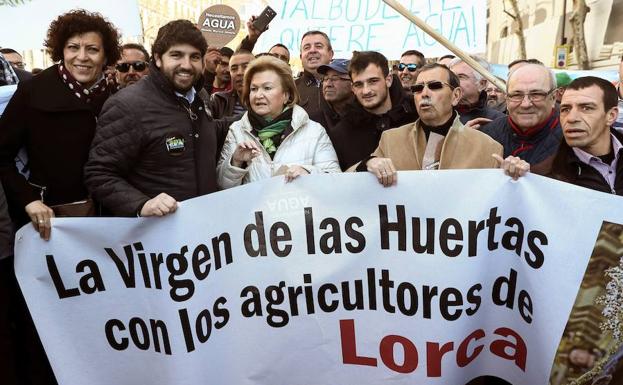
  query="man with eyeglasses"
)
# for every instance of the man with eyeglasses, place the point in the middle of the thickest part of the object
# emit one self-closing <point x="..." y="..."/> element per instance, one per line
<point x="496" y="98"/>
<point x="438" y="139"/>
<point x="133" y="64"/>
<point x="280" y="51"/>
<point x="16" y="61"/>
<point x="408" y="68"/>
<point x="337" y="93"/>
<point x="531" y="131"/>
<point x="14" y="58"/>
<point x="381" y="104"/>
<point x="473" y="103"/>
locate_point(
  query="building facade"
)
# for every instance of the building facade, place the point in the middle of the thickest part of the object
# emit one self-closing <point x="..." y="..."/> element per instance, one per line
<point x="546" y="25"/>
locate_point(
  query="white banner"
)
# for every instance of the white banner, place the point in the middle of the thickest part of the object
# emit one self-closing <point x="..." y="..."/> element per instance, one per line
<point x="330" y="279"/>
<point x="371" y="25"/>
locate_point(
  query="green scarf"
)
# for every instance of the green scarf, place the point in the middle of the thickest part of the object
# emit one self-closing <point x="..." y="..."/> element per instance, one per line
<point x="269" y="131"/>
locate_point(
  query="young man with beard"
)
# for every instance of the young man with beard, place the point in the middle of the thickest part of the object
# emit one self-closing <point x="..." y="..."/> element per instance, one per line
<point x="437" y="140"/>
<point x="229" y="103"/>
<point x="133" y="65"/>
<point x="381" y="104"/>
<point x="155" y="144"/>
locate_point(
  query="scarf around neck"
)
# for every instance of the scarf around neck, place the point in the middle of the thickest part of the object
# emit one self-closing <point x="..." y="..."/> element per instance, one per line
<point x="441" y="130"/>
<point x="270" y="132"/>
<point x="79" y="91"/>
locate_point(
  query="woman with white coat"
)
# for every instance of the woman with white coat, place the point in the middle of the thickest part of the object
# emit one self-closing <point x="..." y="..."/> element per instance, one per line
<point x="275" y="136"/>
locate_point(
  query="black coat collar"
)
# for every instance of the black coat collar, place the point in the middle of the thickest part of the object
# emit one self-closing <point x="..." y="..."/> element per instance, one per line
<point x="49" y="93"/>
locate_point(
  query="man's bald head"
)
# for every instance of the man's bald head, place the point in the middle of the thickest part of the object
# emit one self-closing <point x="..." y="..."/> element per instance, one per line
<point x="530" y="99"/>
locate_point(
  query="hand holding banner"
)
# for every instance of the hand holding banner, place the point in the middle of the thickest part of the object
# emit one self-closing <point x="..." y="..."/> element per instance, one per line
<point x="328" y="279"/>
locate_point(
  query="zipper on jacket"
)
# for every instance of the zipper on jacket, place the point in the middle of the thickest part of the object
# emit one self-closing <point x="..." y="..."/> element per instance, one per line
<point x="42" y="190"/>
<point x="191" y="114"/>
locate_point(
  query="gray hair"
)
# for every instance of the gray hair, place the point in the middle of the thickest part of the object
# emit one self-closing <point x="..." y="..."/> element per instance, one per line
<point x="482" y="62"/>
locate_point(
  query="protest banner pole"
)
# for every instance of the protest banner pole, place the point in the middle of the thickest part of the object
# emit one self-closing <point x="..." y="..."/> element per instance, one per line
<point x="445" y="42"/>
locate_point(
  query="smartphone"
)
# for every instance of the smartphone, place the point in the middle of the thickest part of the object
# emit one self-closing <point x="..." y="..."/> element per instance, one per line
<point x="261" y="22"/>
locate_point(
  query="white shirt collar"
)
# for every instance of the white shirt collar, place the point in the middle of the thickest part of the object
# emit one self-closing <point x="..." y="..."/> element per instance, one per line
<point x="190" y="95"/>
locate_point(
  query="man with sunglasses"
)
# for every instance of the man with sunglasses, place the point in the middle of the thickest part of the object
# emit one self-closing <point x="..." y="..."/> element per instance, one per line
<point x="531" y="131"/>
<point x="381" y="103"/>
<point x="337" y="94"/>
<point x="410" y="63"/>
<point x="133" y="64"/>
<point x="437" y="140"/>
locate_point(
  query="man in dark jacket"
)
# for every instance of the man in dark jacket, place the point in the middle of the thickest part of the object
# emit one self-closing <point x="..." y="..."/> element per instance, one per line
<point x="316" y="50"/>
<point x="229" y="103"/>
<point x="590" y="155"/>
<point x="381" y="104"/>
<point x="155" y="144"/>
<point x="496" y="98"/>
<point x="222" y="79"/>
<point x="337" y="93"/>
<point x="532" y="130"/>
<point x="473" y="103"/>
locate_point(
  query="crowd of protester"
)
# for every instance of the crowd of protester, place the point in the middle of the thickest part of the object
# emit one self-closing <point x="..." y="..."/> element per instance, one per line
<point x="110" y="130"/>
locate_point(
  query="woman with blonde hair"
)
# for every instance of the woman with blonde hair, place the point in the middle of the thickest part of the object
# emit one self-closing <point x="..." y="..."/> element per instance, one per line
<point x="275" y="136"/>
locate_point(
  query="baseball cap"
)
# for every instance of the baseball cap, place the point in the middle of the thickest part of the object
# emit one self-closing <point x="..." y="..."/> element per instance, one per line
<point x="339" y="65"/>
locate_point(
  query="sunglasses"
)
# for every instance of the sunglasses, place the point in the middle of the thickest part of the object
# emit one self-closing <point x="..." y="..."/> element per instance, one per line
<point x="432" y="85"/>
<point x="138" y="66"/>
<point x="411" y="67"/>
